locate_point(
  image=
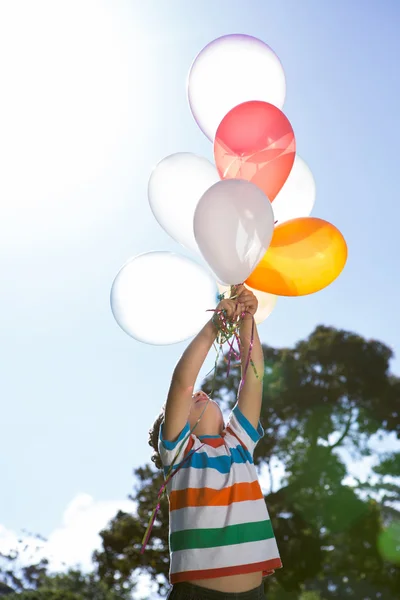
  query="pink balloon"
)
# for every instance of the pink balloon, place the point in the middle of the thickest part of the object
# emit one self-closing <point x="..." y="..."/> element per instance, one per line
<point x="255" y="141"/>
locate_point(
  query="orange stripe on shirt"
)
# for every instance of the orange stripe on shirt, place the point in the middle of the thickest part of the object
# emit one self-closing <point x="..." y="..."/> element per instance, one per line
<point x="189" y="446"/>
<point x="213" y="442"/>
<point x="238" y="492"/>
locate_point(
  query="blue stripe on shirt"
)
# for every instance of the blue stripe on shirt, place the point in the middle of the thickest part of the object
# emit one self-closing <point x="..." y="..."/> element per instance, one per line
<point x="201" y="460"/>
<point x="254" y="434"/>
<point x="172" y="445"/>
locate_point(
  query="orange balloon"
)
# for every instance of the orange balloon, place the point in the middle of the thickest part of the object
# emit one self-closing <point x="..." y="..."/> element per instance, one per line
<point x="305" y="256"/>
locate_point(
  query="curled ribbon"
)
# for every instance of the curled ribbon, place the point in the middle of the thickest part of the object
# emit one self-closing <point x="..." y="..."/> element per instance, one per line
<point x="228" y="330"/>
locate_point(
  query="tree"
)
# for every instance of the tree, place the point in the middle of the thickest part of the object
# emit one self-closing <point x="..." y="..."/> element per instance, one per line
<point x="45" y="595"/>
<point x="34" y="582"/>
<point x="330" y="392"/>
<point x="72" y="585"/>
<point x="17" y="574"/>
<point x="5" y="589"/>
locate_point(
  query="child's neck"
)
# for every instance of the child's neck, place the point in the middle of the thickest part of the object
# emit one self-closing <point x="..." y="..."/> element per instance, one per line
<point x="208" y="431"/>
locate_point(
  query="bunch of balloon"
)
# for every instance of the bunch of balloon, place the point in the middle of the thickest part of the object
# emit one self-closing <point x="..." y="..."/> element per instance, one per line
<point x="226" y="222"/>
<point x="236" y="90"/>
<point x="246" y="216"/>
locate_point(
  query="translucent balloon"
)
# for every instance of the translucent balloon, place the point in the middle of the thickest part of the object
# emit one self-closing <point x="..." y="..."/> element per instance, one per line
<point x="305" y="256"/>
<point x="233" y="226"/>
<point x="161" y="298"/>
<point x="229" y="71"/>
<point x="175" y="188"/>
<point x="255" y="141"/>
<point x="266" y="302"/>
<point x="297" y="197"/>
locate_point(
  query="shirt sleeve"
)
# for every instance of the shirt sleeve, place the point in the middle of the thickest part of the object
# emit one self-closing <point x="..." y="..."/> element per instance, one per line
<point x="168" y="449"/>
<point x="244" y="430"/>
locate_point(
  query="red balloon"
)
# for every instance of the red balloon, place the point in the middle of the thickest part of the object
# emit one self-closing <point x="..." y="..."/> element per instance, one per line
<point x="255" y="141"/>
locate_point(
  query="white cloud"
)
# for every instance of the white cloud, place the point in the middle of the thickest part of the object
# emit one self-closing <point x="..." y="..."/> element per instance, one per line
<point x="73" y="542"/>
<point x="78" y="535"/>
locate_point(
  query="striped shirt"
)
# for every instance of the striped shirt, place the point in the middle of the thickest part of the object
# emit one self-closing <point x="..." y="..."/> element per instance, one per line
<point x="219" y="524"/>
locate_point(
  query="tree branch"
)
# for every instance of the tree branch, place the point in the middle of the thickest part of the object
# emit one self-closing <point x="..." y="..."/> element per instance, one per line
<point x="345" y="432"/>
<point x="271" y="481"/>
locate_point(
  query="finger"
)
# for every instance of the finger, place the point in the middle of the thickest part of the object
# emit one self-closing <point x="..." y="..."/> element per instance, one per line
<point x="232" y="310"/>
<point x="238" y="290"/>
<point x="248" y="301"/>
<point x="251" y="308"/>
<point x="237" y="310"/>
<point x="228" y="309"/>
<point x="246" y="297"/>
<point x="242" y="309"/>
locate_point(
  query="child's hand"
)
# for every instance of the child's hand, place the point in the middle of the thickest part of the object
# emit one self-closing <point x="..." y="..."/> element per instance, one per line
<point x="248" y="300"/>
<point x="233" y="308"/>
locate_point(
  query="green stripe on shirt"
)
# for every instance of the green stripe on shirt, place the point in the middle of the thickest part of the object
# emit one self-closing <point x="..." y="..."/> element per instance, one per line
<point x="190" y="539"/>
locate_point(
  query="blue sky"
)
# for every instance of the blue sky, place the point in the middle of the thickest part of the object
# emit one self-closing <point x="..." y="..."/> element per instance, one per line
<point x="95" y="97"/>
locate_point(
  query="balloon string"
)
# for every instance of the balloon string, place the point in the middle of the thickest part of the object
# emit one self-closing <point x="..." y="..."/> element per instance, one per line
<point x="227" y="331"/>
<point x="248" y="359"/>
<point x="147" y="534"/>
<point x="168" y="477"/>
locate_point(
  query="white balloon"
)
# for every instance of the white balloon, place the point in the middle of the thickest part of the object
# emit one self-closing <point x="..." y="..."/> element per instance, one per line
<point x="297" y="197"/>
<point x="229" y="71"/>
<point x="161" y="298"/>
<point x="266" y="302"/>
<point x="233" y="227"/>
<point x="175" y="187"/>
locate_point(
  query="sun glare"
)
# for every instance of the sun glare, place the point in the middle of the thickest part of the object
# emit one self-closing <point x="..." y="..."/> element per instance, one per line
<point x="64" y="106"/>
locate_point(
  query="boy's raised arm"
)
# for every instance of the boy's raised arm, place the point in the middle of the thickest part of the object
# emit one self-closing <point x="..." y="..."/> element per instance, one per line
<point x="183" y="380"/>
<point x="250" y="397"/>
<point x="185" y="374"/>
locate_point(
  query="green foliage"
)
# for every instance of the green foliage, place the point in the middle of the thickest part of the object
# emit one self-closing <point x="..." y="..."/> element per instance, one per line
<point x="310" y="596"/>
<point x="45" y="595"/>
<point x="5" y="589"/>
<point x="86" y="586"/>
<point x="17" y="576"/>
<point x="34" y="583"/>
<point x="389" y="542"/>
<point x="331" y="391"/>
<point x="390" y="465"/>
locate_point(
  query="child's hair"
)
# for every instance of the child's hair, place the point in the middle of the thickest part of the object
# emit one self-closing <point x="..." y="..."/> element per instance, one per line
<point x="154" y="433"/>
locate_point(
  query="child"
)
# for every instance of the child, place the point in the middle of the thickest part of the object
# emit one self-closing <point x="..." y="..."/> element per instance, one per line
<point x="221" y="541"/>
